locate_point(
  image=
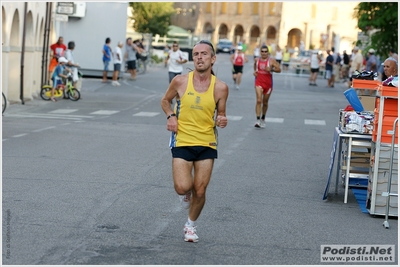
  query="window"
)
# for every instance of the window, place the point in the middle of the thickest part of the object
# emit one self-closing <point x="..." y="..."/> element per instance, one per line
<point x="255" y="8"/>
<point x="224" y="7"/>
<point x="313" y="11"/>
<point x="239" y="8"/>
<point x="208" y="7"/>
<point x="272" y="8"/>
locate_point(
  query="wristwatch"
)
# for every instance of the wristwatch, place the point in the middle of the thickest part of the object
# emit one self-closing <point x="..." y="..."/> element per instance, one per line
<point x="171" y="115"/>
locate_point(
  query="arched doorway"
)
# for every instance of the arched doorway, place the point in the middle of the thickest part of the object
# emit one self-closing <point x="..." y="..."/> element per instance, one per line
<point x="271" y="34"/>
<point x="223" y="31"/>
<point x="207" y="31"/>
<point x="238" y="34"/>
<point x="294" y="38"/>
<point x="254" y="34"/>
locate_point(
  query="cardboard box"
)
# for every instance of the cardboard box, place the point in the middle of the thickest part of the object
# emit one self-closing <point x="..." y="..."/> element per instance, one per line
<point x="368" y="102"/>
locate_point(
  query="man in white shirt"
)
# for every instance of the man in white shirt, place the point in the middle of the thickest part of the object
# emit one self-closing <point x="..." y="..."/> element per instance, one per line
<point x="117" y="63"/>
<point x="175" y="60"/>
<point x="71" y="62"/>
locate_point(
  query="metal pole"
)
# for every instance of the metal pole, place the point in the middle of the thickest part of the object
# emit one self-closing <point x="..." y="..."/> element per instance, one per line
<point x="44" y="59"/>
<point x="23" y="56"/>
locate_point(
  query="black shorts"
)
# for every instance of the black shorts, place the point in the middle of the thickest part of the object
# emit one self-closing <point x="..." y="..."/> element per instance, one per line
<point x="117" y="67"/>
<point x="237" y="69"/>
<point x="194" y="153"/>
<point x="131" y="65"/>
<point x="314" y="70"/>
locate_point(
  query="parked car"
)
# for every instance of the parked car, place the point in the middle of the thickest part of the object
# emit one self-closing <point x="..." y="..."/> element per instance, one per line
<point x="224" y="46"/>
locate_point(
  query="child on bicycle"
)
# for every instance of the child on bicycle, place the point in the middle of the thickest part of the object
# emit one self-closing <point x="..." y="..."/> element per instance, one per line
<point x="58" y="75"/>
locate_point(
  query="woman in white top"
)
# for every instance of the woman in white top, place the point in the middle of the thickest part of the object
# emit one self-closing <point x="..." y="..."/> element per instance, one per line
<point x="278" y="55"/>
<point x="314" y="65"/>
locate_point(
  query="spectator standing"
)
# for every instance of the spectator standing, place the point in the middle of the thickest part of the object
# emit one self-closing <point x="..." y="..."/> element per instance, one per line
<point x="337" y="67"/>
<point x="130" y="57"/>
<point x="107" y="55"/>
<point x="278" y="54"/>
<point x="286" y="58"/>
<point x="329" y="69"/>
<point x="256" y="52"/>
<point x="356" y="63"/>
<point x="314" y="66"/>
<point x="175" y="59"/>
<point x="393" y="54"/>
<point x="71" y="62"/>
<point x="372" y="61"/>
<point x="117" y="63"/>
<point x="57" y="50"/>
<point x="345" y="67"/>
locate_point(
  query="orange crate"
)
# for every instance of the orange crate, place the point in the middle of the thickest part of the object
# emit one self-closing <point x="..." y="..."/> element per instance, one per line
<point x="387" y="125"/>
<point x="390" y="104"/>
<point x="388" y="91"/>
<point x="366" y="84"/>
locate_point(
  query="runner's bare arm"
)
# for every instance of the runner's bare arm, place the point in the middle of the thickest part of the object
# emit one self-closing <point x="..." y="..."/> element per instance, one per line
<point x="276" y="66"/>
<point x="221" y="95"/>
<point x="176" y="88"/>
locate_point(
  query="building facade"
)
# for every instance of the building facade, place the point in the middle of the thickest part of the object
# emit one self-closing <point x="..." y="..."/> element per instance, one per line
<point x="316" y="25"/>
<point x="23" y="33"/>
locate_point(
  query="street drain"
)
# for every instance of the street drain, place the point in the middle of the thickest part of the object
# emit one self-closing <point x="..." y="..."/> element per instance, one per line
<point x="108" y="227"/>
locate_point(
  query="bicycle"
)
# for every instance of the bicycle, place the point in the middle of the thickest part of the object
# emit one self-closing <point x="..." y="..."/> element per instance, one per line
<point x="66" y="90"/>
<point x="4" y="102"/>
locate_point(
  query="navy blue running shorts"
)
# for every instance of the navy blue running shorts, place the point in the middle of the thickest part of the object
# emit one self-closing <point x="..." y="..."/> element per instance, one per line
<point x="194" y="153"/>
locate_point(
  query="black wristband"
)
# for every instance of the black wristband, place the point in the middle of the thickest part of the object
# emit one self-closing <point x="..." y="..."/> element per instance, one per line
<point x="171" y="115"/>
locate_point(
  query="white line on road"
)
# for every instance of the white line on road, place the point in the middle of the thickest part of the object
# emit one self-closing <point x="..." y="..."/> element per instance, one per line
<point x="47" y="116"/>
<point x="63" y="111"/>
<point x="314" y="122"/>
<point x="275" y="120"/>
<point x="104" y="112"/>
<point x="43" y="129"/>
<point x="19" y="135"/>
<point x="146" y="114"/>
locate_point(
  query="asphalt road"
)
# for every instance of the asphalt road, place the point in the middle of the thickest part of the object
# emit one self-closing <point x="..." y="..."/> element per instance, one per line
<point x="89" y="182"/>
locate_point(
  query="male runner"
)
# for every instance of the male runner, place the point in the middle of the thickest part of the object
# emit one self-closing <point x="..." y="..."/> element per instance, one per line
<point x="238" y="59"/>
<point x="263" y="68"/>
<point x="199" y="94"/>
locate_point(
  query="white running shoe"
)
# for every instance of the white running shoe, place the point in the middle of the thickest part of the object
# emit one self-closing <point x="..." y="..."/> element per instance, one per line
<point x="262" y="123"/>
<point x="185" y="200"/>
<point x="113" y="84"/>
<point x="117" y="83"/>
<point x="257" y="124"/>
<point x="190" y="234"/>
<point x="237" y="87"/>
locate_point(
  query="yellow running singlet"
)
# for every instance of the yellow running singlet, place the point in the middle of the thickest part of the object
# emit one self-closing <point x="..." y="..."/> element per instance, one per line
<point x="195" y="114"/>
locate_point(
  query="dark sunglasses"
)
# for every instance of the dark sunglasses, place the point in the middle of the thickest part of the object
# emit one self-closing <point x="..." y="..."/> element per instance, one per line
<point x="207" y="43"/>
<point x="174" y="46"/>
<point x="264" y="51"/>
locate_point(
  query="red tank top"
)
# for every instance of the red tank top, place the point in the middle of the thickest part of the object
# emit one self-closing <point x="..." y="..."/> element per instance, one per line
<point x="238" y="60"/>
<point x="263" y="76"/>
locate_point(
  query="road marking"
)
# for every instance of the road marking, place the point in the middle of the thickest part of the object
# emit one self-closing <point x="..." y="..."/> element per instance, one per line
<point x="146" y="114"/>
<point x="275" y="120"/>
<point x="47" y="116"/>
<point x="19" y="135"/>
<point x="234" y="118"/>
<point x="104" y="112"/>
<point x="43" y="129"/>
<point x="314" y="122"/>
<point x="5" y="140"/>
<point x="63" y="111"/>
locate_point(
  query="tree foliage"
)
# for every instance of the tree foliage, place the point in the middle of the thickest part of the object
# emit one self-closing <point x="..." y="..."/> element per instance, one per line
<point x="152" y="17"/>
<point x="380" y="21"/>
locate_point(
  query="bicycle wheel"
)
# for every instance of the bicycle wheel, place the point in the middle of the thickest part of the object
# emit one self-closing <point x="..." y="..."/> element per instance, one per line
<point x="4" y="102"/>
<point x="74" y="94"/>
<point x="45" y="93"/>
